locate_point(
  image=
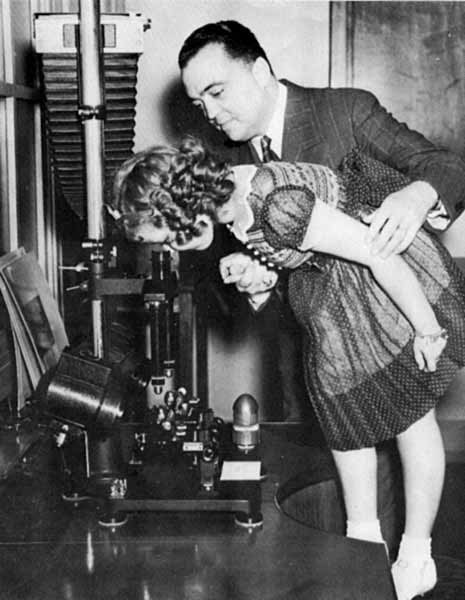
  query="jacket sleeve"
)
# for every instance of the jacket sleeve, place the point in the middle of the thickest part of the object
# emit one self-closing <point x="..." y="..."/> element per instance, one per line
<point x="379" y="134"/>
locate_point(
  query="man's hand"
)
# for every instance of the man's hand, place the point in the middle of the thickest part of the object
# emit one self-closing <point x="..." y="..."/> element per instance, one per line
<point x="248" y="275"/>
<point x="394" y="225"/>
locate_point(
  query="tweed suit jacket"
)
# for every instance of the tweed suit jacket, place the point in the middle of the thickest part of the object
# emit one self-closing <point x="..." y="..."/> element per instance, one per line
<point x="322" y="125"/>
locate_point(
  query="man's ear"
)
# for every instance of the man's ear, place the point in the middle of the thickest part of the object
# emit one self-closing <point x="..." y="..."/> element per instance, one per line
<point x="261" y="71"/>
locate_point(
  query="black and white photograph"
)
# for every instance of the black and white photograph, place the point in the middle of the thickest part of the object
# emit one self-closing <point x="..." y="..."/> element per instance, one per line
<point x="232" y="300"/>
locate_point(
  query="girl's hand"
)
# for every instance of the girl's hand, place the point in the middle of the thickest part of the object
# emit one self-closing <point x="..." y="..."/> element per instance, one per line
<point x="248" y="275"/>
<point x="234" y="267"/>
<point x="428" y="348"/>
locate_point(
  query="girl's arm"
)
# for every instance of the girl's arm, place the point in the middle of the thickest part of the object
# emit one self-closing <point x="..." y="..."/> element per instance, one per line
<point x="333" y="232"/>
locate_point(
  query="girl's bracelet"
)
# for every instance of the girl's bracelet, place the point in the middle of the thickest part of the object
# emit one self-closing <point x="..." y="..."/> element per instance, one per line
<point x="433" y="337"/>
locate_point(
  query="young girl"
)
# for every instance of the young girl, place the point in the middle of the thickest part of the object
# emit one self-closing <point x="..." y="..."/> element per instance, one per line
<point x="375" y="330"/>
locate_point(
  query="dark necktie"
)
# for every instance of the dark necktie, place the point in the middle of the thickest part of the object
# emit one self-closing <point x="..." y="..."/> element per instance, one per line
<point x="267" y="153"/>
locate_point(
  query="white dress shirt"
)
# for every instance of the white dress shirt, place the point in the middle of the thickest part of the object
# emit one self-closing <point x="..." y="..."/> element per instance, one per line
<point x="275" y="130"/>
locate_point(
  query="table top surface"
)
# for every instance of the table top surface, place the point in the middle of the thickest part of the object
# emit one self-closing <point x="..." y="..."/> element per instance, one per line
<point x="51" y="549"/>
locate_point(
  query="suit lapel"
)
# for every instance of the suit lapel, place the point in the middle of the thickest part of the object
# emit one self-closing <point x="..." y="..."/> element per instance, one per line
<point x="302" y="139"/>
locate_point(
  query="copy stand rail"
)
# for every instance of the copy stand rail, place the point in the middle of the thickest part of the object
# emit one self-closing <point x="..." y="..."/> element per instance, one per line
<point x="137" y="441"/>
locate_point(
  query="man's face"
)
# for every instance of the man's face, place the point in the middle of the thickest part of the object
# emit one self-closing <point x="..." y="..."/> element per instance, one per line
<point x="230" y="92"/>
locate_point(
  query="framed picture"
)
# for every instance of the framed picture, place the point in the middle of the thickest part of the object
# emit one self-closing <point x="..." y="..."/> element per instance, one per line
<point x="38" y="330"/>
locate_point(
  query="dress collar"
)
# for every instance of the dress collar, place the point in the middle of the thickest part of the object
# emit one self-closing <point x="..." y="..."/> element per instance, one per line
<point x="244" y="217"/>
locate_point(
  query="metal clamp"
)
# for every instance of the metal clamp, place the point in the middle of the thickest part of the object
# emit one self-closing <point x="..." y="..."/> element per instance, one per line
<point x="96" y="249"/>
<point x="86" y="112"/>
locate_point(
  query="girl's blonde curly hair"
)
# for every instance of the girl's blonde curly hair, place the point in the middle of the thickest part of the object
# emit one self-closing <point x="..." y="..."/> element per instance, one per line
<point x="164" y="185"/>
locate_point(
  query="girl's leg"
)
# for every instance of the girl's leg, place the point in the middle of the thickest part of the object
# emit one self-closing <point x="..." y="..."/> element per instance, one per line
<point x="357" y="472"/>
<point x="422" y="455"/>
<point x="423" y="463"/>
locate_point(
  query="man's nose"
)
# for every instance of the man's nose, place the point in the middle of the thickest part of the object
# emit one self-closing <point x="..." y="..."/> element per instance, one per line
<point x="210" y="108"/>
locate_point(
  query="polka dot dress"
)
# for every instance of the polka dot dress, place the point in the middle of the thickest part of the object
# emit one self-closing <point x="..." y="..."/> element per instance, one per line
<point x="361" y="375"/>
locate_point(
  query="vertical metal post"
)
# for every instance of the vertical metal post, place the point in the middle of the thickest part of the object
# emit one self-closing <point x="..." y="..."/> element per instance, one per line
<point x="92" y="114"/>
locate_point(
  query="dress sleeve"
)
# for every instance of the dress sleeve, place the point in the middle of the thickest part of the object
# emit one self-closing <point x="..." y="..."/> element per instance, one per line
<point x="286" y="215"/>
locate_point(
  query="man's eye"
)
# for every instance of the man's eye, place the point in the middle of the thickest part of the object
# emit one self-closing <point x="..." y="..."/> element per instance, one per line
<point x="216" y="92"/>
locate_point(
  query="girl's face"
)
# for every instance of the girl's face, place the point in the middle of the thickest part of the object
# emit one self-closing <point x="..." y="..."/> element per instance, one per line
<point x="148" y="233"/>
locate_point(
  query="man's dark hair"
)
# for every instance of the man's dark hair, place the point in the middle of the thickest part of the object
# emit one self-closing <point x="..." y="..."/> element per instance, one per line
<point x="237" y="40"/>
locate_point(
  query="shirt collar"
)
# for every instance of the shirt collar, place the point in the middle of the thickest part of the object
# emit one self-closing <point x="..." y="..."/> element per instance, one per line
<point x="275" y="130"/>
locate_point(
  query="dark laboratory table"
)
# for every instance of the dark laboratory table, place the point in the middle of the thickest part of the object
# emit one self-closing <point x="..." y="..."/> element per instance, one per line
<point x="53" y="551"/>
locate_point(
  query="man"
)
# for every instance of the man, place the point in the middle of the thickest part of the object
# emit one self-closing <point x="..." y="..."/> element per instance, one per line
<point x="228" y="76"/>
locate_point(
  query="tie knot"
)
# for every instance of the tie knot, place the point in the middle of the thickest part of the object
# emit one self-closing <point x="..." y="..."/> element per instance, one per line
<point x="267" y="153"/>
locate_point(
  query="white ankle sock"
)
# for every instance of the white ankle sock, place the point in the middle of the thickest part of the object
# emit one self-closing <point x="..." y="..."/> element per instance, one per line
<point x="413" y="548"/>
<point x="369" y="531"/>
